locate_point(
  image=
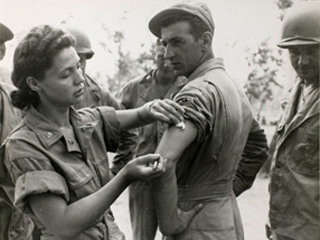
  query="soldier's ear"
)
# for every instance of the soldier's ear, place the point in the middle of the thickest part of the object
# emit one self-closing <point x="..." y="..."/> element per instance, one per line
<point x="33" y="84"/>
<point x="206" y="40"/>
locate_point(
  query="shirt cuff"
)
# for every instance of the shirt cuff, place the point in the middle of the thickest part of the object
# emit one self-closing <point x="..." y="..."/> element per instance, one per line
<point x="38" y="182"/>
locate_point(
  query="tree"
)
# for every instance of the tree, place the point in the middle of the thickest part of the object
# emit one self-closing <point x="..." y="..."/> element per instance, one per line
<point x="147" y="60"/>
<point x="265" y="62"/>
<point x="127" y="67"/>
<point x="283" y="5"/>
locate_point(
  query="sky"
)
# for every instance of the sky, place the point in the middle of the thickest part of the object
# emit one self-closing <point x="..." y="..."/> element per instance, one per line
<point x="240" y="26"/>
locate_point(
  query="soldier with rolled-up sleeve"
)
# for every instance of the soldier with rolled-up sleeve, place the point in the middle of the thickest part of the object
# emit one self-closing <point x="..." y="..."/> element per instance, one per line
<point x="219" y="151"/>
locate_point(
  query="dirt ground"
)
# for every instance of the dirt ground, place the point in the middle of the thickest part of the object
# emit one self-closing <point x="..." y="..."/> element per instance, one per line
<point x="253" y="206"/>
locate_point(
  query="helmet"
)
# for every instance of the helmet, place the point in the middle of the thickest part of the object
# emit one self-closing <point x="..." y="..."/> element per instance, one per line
<point x="83" y="44"/>
<point x="5" y="33"/>
<point x="301" y="25"/>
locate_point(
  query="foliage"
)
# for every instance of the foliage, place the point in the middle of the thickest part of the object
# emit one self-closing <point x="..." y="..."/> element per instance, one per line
<point x="128" y="67"/>
<point x="147" y="60"/>
<point x="264" y="63"/>
<point x="283" y="5"/>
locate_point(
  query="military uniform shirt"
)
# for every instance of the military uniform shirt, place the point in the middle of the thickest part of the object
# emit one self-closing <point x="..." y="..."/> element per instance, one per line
<point x="42" y="159"/>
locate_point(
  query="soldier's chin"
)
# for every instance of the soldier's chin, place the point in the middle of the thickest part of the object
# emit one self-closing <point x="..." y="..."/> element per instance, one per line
<point x="309" y="77"/>
<point x="178" y="71"/>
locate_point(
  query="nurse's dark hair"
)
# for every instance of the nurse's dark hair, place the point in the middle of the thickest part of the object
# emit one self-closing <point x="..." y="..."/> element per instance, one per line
<point x="198" y="27"/>
<point x="32" y="58"/>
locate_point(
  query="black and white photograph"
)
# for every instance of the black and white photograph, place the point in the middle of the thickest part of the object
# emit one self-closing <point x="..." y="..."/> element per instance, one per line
<point x="159" y="119"/>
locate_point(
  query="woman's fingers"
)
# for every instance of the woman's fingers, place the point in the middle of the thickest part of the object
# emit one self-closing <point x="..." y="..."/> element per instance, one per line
<point x="167" y="111"/>
<point x="149" y="166"/>
<point x="148" y="159"/>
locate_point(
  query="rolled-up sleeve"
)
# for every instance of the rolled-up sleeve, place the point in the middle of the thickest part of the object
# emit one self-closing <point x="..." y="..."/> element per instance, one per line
<point x="198" y="109"/>
<point x="38" y="182"/>
<point x="33" y="175"/>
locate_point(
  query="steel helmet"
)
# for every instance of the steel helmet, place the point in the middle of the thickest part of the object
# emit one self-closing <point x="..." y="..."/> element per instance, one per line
<point x="5" y="33"/>
<point x="301" y="25"/>
<point x="83" y="44"/>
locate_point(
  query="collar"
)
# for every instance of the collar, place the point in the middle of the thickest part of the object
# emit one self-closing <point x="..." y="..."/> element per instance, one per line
<point x="148" y="78"/>
<point x="213" y="63"/>
<point x="47" y="132"/>
<point x="92" y="85"/>
<point x="293" y="116"/>
<point x="150" y="91"/>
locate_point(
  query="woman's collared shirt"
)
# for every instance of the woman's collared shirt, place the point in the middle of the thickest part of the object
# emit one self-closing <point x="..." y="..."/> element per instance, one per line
<point x="42" y="159"/>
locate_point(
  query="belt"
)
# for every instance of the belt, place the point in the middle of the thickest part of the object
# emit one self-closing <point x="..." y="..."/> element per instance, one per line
<point x="204" y="191"/>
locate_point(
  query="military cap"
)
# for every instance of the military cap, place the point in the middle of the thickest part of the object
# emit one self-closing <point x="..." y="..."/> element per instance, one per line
<point x="198" y="9"/>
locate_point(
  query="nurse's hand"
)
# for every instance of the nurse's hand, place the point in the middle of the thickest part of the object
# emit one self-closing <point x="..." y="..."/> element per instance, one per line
<point x="144" y="168"/>
<point x="166" y="110"/>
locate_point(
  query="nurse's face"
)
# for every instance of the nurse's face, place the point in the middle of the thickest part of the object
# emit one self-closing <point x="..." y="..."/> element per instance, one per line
<point x="63" y="83"/>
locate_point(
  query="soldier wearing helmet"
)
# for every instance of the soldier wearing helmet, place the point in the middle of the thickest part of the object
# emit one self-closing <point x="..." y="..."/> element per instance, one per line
<point x="95" y="95"/>
<point x="294" y="187"/>
<point x="83" y="45"/>
<point x="5" y="35"/>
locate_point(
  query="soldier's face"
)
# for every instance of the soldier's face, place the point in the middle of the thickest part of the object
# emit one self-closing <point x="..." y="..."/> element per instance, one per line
<point x="306" y="61"/>
<point x="163" y="64"/>
<point x="182" y="49"/>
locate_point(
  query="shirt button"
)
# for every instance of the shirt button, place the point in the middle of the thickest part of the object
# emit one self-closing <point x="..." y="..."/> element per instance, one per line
<point x="49" y="134"/>
<point x="70" y="141"/>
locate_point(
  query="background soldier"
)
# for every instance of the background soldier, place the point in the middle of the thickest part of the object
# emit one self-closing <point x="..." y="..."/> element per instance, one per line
<point x="95" y="95"/>
<point x="159" y="83"/>
<point x="13" y="224"/>
<point x="294" y="188"/>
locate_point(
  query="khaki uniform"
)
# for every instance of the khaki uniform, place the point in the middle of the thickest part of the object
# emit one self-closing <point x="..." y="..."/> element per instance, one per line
<point x="134" y="94"/>
<point x="220" y="111"/>
<point x="13" y="224"/>
<point x="43" y="159"/>
<point x="96" y="96"/>
<point x="294" y="188"/>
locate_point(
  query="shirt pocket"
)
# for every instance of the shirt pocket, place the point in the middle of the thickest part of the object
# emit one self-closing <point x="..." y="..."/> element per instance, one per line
<point x="79" y="176"/>
<point x="305" y="156"/>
